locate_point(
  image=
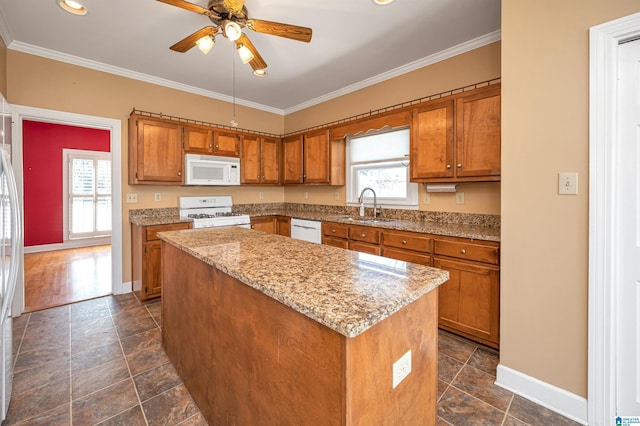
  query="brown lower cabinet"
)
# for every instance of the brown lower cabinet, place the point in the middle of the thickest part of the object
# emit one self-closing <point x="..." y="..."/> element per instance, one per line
<point x="280" y="225"/>
<point x="146" y="258"/>
<point x="469" y="303"/>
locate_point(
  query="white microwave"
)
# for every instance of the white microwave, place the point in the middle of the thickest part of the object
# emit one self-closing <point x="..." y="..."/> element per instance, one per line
<point x="211" y="170"/>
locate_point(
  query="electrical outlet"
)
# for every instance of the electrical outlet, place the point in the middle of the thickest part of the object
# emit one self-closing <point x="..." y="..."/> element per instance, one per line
<point x="132" y="198"/>
<point x="336" y="196"/>
<point x="305" y="195"/>
<point x="261" y="195"/>
<point x="157" y="196"/>
<point x="426" y="199"/>
<point x="401" y="368"/>
<point x="459" y="197"/>
<point x="568" y="183"/>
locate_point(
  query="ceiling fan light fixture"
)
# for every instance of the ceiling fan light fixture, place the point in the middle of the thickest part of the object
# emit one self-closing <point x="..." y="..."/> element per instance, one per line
<point x="245" y="54"/>
<point x="382" y="2"/>
<point x="205" y="44"/>
<point x="73" y="7"/>
<point x="260" y="73"/>
<point x="232" y="30"/>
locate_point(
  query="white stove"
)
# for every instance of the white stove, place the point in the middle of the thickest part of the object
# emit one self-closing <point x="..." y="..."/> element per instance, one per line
<point x="209" y="212"/>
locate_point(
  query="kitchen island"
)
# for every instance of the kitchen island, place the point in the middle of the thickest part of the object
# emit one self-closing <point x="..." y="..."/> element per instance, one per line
<point x="264" y="329"/>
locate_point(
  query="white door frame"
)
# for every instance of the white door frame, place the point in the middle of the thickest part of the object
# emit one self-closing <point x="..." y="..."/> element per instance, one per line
<point x="114" y="127"/>
<point x="603" y="188"/>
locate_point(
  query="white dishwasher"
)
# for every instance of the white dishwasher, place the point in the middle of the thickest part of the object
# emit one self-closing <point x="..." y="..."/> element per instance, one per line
<point x="307" y="230"/>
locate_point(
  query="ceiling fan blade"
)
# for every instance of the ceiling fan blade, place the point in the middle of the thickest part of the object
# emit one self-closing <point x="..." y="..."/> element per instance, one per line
<point x="257" y="63"/>
<point x="293" y="32"/>
<point x="190" y="41"/>
<point x="187" y="6"/>
<point x="234" y="6"/>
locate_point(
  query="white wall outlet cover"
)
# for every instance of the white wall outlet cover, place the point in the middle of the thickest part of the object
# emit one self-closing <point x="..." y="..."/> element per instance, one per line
<point x="401" y="368"/>
<point x="459" y="197"/>
<point x="157" y="196"/>
<point x="132" y="198"/>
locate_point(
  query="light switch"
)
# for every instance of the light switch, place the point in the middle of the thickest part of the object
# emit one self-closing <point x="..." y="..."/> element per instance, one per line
<point x="568" y="183"/>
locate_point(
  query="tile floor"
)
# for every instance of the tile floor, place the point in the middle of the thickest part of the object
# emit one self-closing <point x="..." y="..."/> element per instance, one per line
<point x="101" y="362"/>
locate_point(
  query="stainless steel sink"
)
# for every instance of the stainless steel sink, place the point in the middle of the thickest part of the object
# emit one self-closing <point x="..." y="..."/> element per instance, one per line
<point x="364" y="219"/>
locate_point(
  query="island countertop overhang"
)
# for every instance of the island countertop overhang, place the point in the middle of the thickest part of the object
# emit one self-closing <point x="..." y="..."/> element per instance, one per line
<point x="346" y="291"/>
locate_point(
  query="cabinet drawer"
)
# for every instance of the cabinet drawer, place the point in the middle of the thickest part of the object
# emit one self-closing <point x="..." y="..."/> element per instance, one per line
<point x="465" y="250"/>
<point x="335" y="242"/>
<point x="364" y="233"/>
<point x="152" y="231"/>
<point x="407" y="256"/>
<point x="364" y="247"/>
<point x="406" y="240"/>
<point x="335" y="230"/>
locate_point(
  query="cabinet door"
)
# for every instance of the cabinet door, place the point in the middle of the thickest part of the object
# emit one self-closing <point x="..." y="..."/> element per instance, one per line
<point x="197" y="140"/>
<point x="159" y="151"/>
<point x="478" y="134"/>
<point x="335" y="242"/>
<point x="469" y="303"/>
<point x="264" y="224"/>
<point x="270" y="156"/>
<point x="432" y="141"/>
<point x="284" y="225"/>
<point x="152" y="270"/>
<point x="250" y="172"/>
<point x="226" y="143"/>
<point x="292" y="160"/>
<point x="317" y="161"/>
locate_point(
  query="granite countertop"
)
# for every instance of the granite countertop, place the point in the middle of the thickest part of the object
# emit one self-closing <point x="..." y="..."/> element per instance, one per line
<point x="344" y="290"/>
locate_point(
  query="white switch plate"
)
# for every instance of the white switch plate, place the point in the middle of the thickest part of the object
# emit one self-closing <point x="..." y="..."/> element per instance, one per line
<point x="568" y="183"/>
<point x="401" y="368"/>
<point x="336" y="196"/>
<point x="261" y="195"/>
<point x="306" y="195"/>
<point x="132" y="198"/>
<point x="157" y="196"/>
<point x="459" y="197"/>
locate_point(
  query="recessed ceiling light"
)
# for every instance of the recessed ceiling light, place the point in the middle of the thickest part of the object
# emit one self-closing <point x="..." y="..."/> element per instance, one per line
<point x="382" y="2"/>
<point x="260" y="73"/>
<point x="73" y="7"/>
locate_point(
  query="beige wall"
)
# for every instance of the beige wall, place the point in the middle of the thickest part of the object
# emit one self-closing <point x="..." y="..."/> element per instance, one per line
<point x="3" y="68"/>
<point x="545" y="119"/>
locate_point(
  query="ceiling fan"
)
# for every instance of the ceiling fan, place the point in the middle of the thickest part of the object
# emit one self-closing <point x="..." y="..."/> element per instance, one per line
<point x="229" y="17"/>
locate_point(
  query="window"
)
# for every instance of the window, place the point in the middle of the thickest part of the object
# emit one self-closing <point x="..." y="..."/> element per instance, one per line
<point x="89" y="189"/>
<point x="380" y="161"/>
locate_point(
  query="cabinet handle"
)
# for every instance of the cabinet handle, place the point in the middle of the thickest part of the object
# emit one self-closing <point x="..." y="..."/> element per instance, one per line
<point x="216" y="146"/>
<point x="459" y="165"/>
<point x="333" y="230"/>
<point x="463" y="251"/>
<point x="404" y="241"/>
<point x="448" y="166"/>
<point x="364" y="235"/>
<point x="258" y="177"/>
<point x="179" y="173"/>
<point x="253" y="227"/>
<point x="210" y="145"/>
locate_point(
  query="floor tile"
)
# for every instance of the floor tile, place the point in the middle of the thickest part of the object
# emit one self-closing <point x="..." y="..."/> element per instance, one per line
<point x="90" y="326"/>
<point x="170" y="407"/>
<point x="534" y="414"/>
<point x="140" y="341"/>
<point x="40" y="375"/>
<point x="36" y="401"/>
<point x="44" y="341"/>
<point x="133" y="314"/>
<point x="197" y="420"/>
<point x="121" y="302"/>
<point x="130" y="328"/>
<point x="130" y="417"/>
<point x="448" y="368"/>
<point x="155" y="381"/>
<point x="454" y="347"/>
<point x="31" y="359"/>
<point x="102" y="376"/>
<point x="87" y="342"/>
<point x="442" y="386"/>
<point x="458" y="408"/>
<point x="512" y="421"/>
<point x="58" y="416"/>
<point x="146" y="359"/>
<point x="485" y="359"/>
<point x="87" y="360"/>
<point x="481" y="385"/>
<point x="102" y="405"/>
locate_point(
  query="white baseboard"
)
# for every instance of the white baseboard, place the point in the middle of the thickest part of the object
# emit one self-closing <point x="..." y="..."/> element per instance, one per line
<point x="83" y="242"/>
<point x="122" y="288"/>
<point x="559" y="400"/>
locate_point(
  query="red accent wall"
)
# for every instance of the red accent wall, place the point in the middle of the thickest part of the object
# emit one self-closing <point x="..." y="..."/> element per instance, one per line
<point x="42" y="169"/>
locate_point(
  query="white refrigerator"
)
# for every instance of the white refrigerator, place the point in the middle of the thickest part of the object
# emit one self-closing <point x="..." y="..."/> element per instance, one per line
<point x="10" y="243"/>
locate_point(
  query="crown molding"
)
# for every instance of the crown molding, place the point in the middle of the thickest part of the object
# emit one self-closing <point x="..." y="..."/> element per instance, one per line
<point x="412" y="66"/>
<point x="99" y="66"/>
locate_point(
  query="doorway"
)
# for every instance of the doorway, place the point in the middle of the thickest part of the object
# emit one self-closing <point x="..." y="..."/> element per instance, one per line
<point x="22" y="114"/>
<point x="614" y="210"/>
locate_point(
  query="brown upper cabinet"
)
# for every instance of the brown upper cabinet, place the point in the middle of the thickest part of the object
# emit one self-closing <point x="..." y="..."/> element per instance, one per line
<point x="208" y="141"/>
<point x="226" y="143"/>
<point x="457" y="138"/>
<point x="155" y="151"/>
<point x="313" y="158"/>
<point x="260" y="160"/>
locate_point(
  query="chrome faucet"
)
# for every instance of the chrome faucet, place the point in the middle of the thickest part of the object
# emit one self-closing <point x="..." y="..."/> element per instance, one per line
<point x="375" y="202"/>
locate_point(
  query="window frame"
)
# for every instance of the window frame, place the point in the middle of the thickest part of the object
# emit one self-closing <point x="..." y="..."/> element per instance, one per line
<point x="410" y="202"/>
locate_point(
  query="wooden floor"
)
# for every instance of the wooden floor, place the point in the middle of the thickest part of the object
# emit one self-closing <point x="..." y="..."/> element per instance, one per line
<point x="60" y="277"/>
